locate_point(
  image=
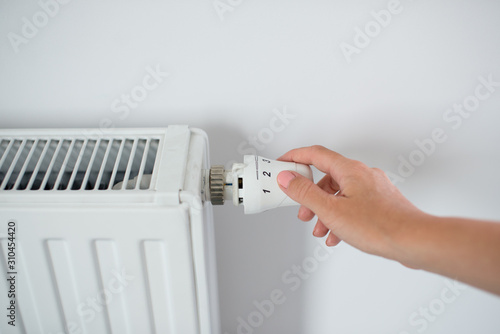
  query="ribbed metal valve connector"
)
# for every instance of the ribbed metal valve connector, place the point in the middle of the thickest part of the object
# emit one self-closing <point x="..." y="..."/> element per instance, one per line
<point x="216" y="184"/>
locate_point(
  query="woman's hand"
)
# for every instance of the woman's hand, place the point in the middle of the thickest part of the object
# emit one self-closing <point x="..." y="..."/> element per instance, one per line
<point x="367" y="210"/>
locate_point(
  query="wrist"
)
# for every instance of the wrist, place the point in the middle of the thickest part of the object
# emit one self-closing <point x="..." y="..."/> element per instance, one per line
<point x="408" y="238"/>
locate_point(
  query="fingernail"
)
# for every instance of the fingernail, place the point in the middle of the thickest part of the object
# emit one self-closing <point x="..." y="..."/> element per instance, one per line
<point x="284" y="178"/>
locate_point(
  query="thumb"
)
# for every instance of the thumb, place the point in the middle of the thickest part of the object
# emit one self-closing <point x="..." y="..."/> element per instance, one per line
<point x="304" y="191"/>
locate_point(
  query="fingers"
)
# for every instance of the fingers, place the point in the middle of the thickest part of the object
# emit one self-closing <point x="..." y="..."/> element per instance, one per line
<point x="320" y="230"/>
<point x="305" y="214"/>
<point x="314" y="198"/>
<point x="332" y="240"/>
<point x="328" y="184"/>
<point x="305" y="192"/>
<point x="325" y="160"/>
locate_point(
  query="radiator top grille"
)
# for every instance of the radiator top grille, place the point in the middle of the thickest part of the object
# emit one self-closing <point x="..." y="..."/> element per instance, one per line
<point x="58" y="163"/>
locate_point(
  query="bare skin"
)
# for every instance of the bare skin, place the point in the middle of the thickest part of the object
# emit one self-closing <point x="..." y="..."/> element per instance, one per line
<point x="371" y="214"/>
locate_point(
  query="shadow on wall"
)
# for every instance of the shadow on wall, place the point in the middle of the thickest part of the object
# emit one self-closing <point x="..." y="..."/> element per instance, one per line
<point x="254" y="257"/>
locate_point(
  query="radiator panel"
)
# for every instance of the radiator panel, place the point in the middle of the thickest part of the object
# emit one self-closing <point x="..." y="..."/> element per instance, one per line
<point x="106" y="277"/>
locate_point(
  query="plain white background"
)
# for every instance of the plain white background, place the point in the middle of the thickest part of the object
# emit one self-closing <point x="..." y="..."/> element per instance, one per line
<point x="229" y="76"/>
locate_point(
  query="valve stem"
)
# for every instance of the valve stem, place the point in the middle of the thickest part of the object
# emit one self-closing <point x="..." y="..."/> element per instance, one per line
<point x="217" y="184"/>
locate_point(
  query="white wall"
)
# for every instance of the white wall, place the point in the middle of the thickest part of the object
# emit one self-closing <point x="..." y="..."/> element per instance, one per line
<point x="227" y="76"/>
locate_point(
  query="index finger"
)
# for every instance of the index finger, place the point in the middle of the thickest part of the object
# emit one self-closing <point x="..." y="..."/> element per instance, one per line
<point x="325" y="160"/>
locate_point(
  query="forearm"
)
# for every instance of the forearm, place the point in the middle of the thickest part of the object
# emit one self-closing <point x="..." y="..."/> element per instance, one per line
<point x="464" y="249"/>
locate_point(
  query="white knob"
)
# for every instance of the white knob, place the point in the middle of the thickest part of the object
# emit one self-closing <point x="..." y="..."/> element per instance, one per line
<point x="255" y="186"/>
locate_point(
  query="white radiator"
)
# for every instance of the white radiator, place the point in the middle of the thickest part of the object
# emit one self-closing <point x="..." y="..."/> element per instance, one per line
<point x="106" y="233"/>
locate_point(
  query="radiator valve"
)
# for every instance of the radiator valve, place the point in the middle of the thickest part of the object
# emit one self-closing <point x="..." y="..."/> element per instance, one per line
<point x="252" y="183"/>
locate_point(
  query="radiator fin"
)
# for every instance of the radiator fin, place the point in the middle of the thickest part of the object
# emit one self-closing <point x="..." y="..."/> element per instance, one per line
<point x="121" y="163"/>
<point x="156" y="269"/>
<point x="107" y="258"/>
<point x="30" y="318"/>
<point x="62" y="269"/>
